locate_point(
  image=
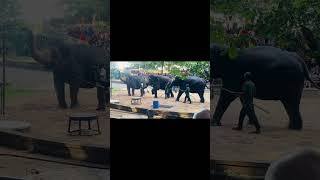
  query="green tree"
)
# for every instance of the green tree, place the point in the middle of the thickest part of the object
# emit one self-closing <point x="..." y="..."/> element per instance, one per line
<point x="86" y="10"/>
<point x="281" y="20"/>
<point x="9" y="20"/>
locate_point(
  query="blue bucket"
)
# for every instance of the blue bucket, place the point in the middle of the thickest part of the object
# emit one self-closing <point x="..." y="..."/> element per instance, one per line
<point x="155" y="104"/>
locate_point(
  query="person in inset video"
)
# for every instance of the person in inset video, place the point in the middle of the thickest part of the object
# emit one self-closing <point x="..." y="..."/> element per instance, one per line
<point x="187" y="94"/>
<point x="246" y="97"/>
<point x="102" y="83"/>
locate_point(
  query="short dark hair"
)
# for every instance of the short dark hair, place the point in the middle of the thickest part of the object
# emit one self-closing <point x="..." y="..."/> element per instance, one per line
<point x="247" y="76"/>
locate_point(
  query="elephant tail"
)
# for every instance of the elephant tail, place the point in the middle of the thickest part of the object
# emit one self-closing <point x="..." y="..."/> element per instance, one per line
<point x="307" y="75"/>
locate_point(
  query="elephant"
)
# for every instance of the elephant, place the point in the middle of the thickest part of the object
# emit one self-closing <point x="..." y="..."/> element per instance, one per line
<point x="160" y="82"/>
<point x="72" y="63"/>
<point x="134" y="82"/>
<point x="277" y="74"/>
<point x="196" y="85"/>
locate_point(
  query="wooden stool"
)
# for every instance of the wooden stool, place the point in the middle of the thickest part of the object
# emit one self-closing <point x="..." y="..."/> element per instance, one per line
<point x="136" y="100"/>
<point x="84" y="117"/>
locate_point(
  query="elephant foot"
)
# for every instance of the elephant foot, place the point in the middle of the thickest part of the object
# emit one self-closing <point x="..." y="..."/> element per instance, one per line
<point x="202" y="101"/>
<point x="250" y="123"/>
<point x="63" y="106"/>
<point x="295" y="127"/>
<point x="255" y="132"/>
<point x="74" y="106"/>
<point x="129" y="94"/>
<point x="214" y="123"/>
<point x="237" y="128"/>
<point x="101" y="109"/>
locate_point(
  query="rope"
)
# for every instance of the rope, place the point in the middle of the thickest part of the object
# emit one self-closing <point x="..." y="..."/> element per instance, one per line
<point x="260" y="108"/>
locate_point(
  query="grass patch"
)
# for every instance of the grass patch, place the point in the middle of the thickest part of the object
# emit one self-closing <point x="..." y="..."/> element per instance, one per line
<point x="114" y="90"/>
<point x="11" y="92"/>
<point x="23" y="59"/>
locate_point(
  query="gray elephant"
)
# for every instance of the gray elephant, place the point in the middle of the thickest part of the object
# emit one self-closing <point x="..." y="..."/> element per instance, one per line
<point x="277" y="74"/>
<point x="196" y="85"/>
<point x="160" y="82"/>
<point x="71" y="63"/>
<point x="135" y="82"/>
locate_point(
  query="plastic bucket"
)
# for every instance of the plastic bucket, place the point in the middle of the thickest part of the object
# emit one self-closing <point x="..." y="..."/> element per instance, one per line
<point x="155" y="104"/>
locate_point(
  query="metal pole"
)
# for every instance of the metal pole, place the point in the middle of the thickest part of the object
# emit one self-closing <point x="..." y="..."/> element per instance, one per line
<point x="3" y="72"/>
<point x="1" y="89"/>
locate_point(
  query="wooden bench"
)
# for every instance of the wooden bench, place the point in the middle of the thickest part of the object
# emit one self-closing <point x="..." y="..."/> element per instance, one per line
<point x="88" y="117"/>
<point x="136" y="100"/>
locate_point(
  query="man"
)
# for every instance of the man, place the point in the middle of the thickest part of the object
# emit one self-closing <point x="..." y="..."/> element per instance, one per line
<point x="204" y="114"/>
<point x="142" y="89"/>
<point x="302" y="164"/>
<point x="187" y="94"/>
<point x="246" y="97"/>
<point x="102" y="84"/>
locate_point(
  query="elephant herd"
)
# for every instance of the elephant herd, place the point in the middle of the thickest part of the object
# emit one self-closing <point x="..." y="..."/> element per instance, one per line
<point x="160" y="82"/>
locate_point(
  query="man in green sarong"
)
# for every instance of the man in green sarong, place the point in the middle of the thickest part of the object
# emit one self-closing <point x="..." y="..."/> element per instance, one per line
<point x="246" y="97"/>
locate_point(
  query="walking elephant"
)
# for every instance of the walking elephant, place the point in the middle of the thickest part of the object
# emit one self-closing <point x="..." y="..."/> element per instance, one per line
<point x="135" y="82"/>
<point x="277" y="74"/>
<point x="160" y="82"/>
<point x="196" y="85"/>
<point x="71" y="63"/>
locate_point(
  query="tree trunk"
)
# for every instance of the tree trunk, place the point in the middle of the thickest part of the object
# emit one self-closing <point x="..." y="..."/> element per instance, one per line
<point x="162" y="63"/>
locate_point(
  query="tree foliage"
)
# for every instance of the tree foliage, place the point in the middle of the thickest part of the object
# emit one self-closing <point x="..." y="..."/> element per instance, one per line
<point x="9" y="23"/>
<point x="281" y="20"/>
<point x="86" y="10"/>
<point x="177" y="68"/>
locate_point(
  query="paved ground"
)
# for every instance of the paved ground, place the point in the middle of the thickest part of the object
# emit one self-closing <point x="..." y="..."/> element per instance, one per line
<point x="28" y="79"/>
<point x="118" y="114"/>
<point x="171" y="105"/>
<point x="40" y="167"/>
<point x="275" y="141"/>
<point x="39" y="107"/>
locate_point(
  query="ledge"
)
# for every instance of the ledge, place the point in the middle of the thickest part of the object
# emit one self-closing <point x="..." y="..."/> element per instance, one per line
<point x="163" y="114"/>
<point x="86" y="153"/>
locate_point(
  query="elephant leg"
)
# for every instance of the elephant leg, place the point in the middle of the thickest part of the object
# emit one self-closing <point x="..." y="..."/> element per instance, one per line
<point x="156" y="93"/>
<point x="59" y="88"/>
<point x="201" y="96"/>
<point x="223" y="103"/>
<point x="292" y="108"/>
<point x="179" y="95"/>
<point x="132" y="91"/>
<point x="101" y="96"/>
<point x="171" y="93"/>
<point x="74" y="89"/>
<point x="128" y="88"/>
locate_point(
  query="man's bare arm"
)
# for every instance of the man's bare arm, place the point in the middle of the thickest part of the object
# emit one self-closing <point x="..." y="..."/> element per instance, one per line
<point x="233" y="92"/>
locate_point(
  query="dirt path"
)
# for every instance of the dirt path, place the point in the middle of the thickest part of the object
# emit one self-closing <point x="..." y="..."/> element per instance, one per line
<point x="39" y="107"/>
<point x="275" y="141"/>
<point x="165" y="104"/>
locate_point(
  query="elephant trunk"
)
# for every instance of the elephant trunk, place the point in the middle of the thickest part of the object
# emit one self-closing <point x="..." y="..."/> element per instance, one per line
<point x="42" y="57"/>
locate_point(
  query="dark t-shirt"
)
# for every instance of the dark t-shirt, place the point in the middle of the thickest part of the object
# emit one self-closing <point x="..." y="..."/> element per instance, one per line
<point x="249" y="90"/>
